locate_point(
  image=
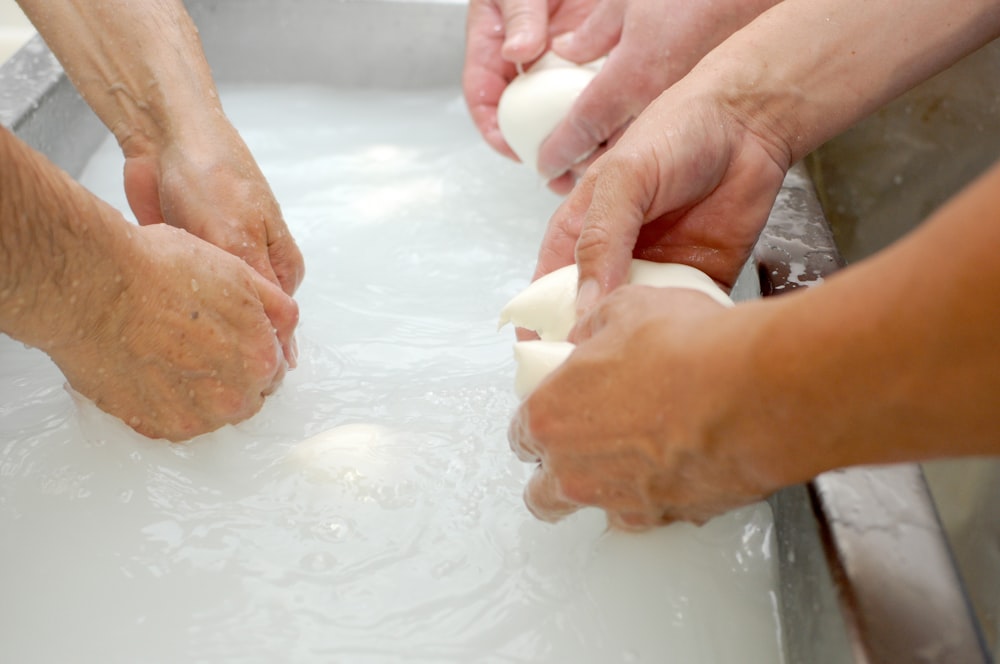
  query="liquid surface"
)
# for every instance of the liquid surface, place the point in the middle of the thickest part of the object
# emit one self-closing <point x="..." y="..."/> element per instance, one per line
<point x="372" y="511"/>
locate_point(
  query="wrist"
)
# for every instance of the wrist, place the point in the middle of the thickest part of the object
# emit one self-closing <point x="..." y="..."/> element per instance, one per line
<point x="759" y="101"/>
<point x="152" y="128"/>
<point x="762" y="412"/>
<point x="56" y="281"/>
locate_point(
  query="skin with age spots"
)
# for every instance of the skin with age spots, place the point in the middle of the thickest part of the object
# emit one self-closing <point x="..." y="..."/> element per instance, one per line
<point x="142" y="69"/>
<point x="183" y="324"/>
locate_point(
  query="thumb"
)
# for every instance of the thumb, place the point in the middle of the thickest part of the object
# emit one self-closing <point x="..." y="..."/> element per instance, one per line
<point x="525" y="29"/>
<point x="283" y="312"/>
<point x="595" y="36"/>
<point x="609" y="231"/>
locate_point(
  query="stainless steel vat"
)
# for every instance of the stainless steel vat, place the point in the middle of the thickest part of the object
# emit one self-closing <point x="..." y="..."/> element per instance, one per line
<point x="867" y="573"/>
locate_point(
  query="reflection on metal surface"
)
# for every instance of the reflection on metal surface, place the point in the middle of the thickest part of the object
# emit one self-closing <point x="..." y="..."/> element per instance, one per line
<point x="900" y="593"/>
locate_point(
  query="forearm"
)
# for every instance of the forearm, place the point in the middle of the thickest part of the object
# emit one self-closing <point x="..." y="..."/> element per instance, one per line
<point x="806" y="70"/>
<point x="52" y="238"/>
<point x="139" y="65"/>
<point x="894" y="359"/>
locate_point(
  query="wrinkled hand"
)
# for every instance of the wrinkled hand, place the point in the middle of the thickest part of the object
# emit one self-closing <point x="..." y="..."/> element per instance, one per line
<point x="631" y="422"/>
<point x="689" y="182"/>
<point x="183" y="338"/>
<point x="208" y="183"/>
<point x="650" y="45"/>
<point x="501" y="34"/>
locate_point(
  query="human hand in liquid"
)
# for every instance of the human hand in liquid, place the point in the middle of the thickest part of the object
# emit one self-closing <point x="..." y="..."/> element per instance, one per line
<point x="167" y="332"/>
<point x="209" y="184"/>
<point x="628" y="422"/>
<point x="188" y="340"/>
<point x="185" y="164"/>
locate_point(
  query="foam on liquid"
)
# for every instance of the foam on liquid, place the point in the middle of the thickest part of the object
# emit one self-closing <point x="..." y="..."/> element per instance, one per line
<point x="403" y="537"/>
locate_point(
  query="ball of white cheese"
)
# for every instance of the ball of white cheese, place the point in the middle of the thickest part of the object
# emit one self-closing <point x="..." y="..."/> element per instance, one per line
<point x="535" y="102"/>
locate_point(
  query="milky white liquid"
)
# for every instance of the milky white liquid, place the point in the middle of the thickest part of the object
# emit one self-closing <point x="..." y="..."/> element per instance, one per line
<point x="409" y="544"/>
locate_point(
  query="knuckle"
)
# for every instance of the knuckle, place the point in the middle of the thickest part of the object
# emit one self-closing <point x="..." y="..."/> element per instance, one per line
<point x="577" y="490"/>
<point x="594" y="238"/>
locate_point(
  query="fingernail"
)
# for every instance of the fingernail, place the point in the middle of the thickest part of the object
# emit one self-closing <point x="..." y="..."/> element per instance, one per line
<point x="586" y="296"/>
<point x="513" y="41"/>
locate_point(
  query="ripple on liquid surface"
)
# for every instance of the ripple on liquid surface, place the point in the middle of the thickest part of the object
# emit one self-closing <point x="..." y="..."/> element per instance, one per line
<point x="403" y="537"/>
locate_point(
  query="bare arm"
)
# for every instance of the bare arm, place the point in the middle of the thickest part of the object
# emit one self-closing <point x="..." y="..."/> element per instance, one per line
<point x="806" y="70"/>
<point x="894" y="359"/>
<point x="141" y="67"/>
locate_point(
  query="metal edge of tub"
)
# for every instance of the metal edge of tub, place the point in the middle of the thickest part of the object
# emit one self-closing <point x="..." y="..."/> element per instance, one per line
<point x="900" y="594"/>
<point x="241" y="38"/>
<point x="36" y="95"/>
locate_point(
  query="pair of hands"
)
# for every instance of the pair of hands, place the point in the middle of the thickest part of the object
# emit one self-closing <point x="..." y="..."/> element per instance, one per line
<point x="689" y="180"/>
<point x="650" y="46"/>
<point x="622" y="424"/>
<point x="204" y="328"/>
<point x="192" y="313"/>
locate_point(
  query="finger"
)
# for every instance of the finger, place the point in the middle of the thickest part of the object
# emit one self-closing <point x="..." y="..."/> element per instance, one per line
<point x="636" y="522"/>
<point x="563" y="231"/>
<point x="280" y="370"/>
<point x="610" y="226"/>
<point x="522" y="443"/>
<point x="545" y="499"/>
<point x="522" y="334"/>
<point x="485" y="74"/>
<point x="284" y="256"/>
<point x="592" y="322"/>
<point x="258" y="260"/>
<point x="598" y="114"/>
<point x="563" y="184"/>
<point x="595" y="36"/>
<point x="526" y="29"/>
<point x="579" y="169"/>
<point x="283" y="313"/>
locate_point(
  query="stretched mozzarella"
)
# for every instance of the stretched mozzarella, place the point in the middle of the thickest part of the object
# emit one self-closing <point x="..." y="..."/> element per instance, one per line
<point x="535" y="102"/>
<point x="548" y="307"/>
<point x="535" y="360"/>
<point x="676" y="275"/>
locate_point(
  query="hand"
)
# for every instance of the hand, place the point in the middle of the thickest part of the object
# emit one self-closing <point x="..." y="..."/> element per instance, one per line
<point x="209" y="184"/>
<point x="630" y="422"/>
<point x="650" y="45"/>
<point x="501" y="34"/>
<point x="183" y="338"/>
<point x="689" y="182"/>
<point x="185" y="164"/>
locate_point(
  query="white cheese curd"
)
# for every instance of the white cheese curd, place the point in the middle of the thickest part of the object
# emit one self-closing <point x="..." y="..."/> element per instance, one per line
<point x="548" y="308"/>
<point x="535" y="102"/>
